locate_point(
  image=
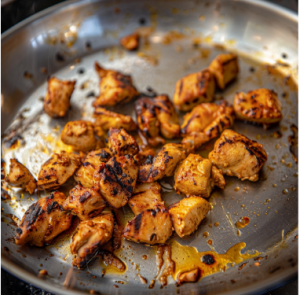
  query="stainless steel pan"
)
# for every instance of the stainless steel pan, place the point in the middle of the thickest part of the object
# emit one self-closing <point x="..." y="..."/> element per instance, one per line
<point x="261" y="32"/>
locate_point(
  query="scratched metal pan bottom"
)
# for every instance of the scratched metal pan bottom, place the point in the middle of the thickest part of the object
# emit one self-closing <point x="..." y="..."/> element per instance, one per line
<point x="260" y="32"/>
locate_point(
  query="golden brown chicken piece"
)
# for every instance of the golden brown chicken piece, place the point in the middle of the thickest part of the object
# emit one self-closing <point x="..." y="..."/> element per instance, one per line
<point x="164" y="164"/>
<point x="260" y="106"/>
<point x="145" y="196"/>
<point x="187" y="214"/>
<point x="130" y="42"/>
<point x="120" y="143"/>
<point x="225" y="68"/>
<point x="167" y="117"/>
<point x="57" y="170"/>
<point x="194" y="89"/>
<point x="205" y="122"/>
<point x="84" y="202"/>
<point x="237" y="155"/>
<point x="43" y="221"/>
<point x="94" y="159"/>
<point x="90" y="235"/>
<point x="107" y="119"/>
<point x="196" y="176"/>
<point x="116" y="180"/>
<point x="115" y="88"/>
<point x="19" y="176"/>
<point x="147" y="120"/>
<point x="152" y="226"/>
<point x="80" y="135"/>
<point x="57" y="99"/>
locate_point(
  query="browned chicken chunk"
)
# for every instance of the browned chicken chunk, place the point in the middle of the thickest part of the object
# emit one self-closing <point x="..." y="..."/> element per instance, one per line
<point x="145" y="196"/>
<point x="19" y="176"/>
<point x="205" y="122"/>
<point x="164" y="164"/>
<point x="194" y="89"/>
<point x="115" y="88"/>
<point x="94" y="159"/>
<point x="131" y="42"/>
<point x="196" y="176"/>
<point x="225" y="68"/>
<point x="57" y="170"/>
<point x="57" y="99"/>
<point x="116" y="180"/>
<point x="107" y="119"/>
<point x="80" y="135"/>
<point x="90" y="235"/>
<point x="260" y="106"/>
<point x="144" y="156"/>
<point x="187" y="214"/>
<point x="43" y="221"/>
<point x="237" y="155"/>
<point x="152" y="226"/>
<point x="120" y="143"/>
<point x="84" y="202"/>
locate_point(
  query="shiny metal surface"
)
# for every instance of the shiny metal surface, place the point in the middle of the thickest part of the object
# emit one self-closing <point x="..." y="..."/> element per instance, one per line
<point x="260" y="32"/>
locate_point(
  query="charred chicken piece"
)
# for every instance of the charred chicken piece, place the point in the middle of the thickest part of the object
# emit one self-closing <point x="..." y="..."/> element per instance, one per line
<point x="57" y="99"/>
<point x="107" y="119"/>
<point x="130" y="42"/>
<point x="90" y="235"/>
<point x="260" y="106"/>
<point x="187" y="214"/>
<point x="43" y="221"/>
<point x="225" y="68"/>
<point x="84" y="202"/>
<point x="145" y="196"/>
<point x="237" y="155"/>
<point x="115" y="88"/>
<point x="94" y="159"/>
<point x="120" y="143"/>
<point x="194" y="89"/>
<point x="80" y="135"/>
<point x="144" y="157"/>
<point x="19" y="176"/>
<point x="147" y="120"/>
<point x="152" y="226"/>
<point x="164" y="164"/>
<point x="205" y="122"/>
<point x="167" y="117"/>
<point x="57" y="170"/>
<point x="116" y="180"/>
<point x="197" y="176"/>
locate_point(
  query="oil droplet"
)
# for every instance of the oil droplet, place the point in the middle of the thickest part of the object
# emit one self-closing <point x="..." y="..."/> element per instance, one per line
<point x="257" y="263"/>
<point x="289" y="165"/>
<point x="205" y="234"/>
<point x="277" y="146"/>
<point x="285" y="191"/>
<point x="243" y="206"/>
<point x="242" y="222"/>
<point x="293" y="189"/>
<point x="282" y="161"/>
<point x="258" y="136"/>
<point x="257" y="215"/>
<point x="209" y="242"/>
<point x="296" y="174"/>
<point x="145" y="257"/>
<point x="216" y="224"/>
<point x="237" y="189"/>
<point x="274" y="185"/>
<point x="283" y="180"/>
<point x="210" y="225"/>
<point x="202" y="18"/>
<point x="239" y="233"/>
<point x="268" y="200"/>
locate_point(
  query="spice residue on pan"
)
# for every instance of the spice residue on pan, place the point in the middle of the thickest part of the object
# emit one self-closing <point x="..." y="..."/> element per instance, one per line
<point x="242" y="222"/>
<point x="187" y="260"/>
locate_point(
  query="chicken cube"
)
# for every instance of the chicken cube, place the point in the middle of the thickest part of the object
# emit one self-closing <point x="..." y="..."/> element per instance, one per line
<point x="120" y="143"/>
<point x="43" y="221"/>
<point x="225" y="68"/>
<point x="205" y="122"/>
<point x="260" y="106"/>
<point x="130" y="42"/>
<point x="107" y="119"/>
<point x="57" y="170"/>
<point x="187" y="214"/>
<point x="94" y="159"/>
<point x="237" y="155"/>
<point x="152" y="226"/>
<point x="90" y="235"/>
<point x="145" y="196"/>
<point x="19" y="176"/>
<point x="84" y="202"/>
<point x="115" y="88"/>
<point x="194" y="89"/>
<point x="195" y="176"/>
<point x="57" y="99"/>
<point x="116" y="180"/>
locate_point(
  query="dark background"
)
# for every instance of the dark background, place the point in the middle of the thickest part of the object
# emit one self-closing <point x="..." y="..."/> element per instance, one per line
<point x="14" y="11"/>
